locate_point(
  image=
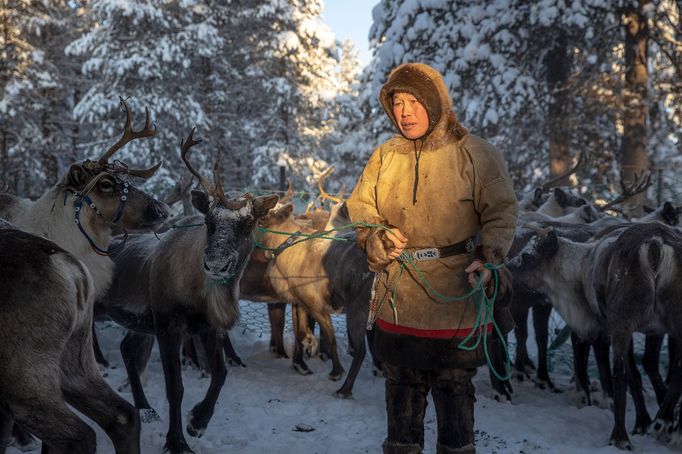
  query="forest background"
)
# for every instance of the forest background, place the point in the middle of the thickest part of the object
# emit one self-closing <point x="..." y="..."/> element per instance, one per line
<point x="268" y="83"/>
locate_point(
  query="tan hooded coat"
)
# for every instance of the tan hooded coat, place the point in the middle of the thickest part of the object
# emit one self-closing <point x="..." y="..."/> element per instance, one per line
<point x="463" y="190"/>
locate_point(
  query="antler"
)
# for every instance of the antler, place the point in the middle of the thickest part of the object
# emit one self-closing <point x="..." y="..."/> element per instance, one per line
<point x="323" y="193"/>
<point x="184" y="149"/>
<point x="128" y="133"/>
<point x="289" y="194"/>
<point x="575" y="168"/>
<point x="637" y="187"/>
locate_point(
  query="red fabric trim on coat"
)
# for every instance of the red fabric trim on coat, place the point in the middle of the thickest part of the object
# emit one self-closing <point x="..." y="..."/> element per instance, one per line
<point x="431" y="333"/>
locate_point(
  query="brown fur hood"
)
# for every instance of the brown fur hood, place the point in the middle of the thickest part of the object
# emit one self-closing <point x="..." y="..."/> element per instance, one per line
<point x="427" y="85"/>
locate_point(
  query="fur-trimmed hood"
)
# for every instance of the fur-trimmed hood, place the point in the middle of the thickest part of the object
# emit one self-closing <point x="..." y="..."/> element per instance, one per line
<point x="428" y="86"/>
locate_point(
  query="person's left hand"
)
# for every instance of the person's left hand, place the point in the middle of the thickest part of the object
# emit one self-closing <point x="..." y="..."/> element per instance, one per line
<point x="477" y="267"/>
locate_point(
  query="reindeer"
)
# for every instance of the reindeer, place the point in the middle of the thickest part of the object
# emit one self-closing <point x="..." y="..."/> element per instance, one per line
<point x="619" y="284"/>
<point x="185" y="284"/>
<point x="526" y="298"/>
<point x="79" y="212"/>
<point x="322" y="276"/>
<point x="46" y="351"/>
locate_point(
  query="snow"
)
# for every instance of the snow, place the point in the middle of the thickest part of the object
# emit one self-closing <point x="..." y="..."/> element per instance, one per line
<point x="261" y="405"/>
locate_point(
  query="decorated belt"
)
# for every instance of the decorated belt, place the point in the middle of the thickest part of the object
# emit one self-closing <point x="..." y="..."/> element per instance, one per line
<point x="433" y="253"/>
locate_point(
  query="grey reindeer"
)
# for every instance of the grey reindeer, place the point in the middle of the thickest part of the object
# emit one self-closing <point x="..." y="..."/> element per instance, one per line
<point x="624" y="282"/>
<point x="46" y="351"/>
<point x="185" y="284"/>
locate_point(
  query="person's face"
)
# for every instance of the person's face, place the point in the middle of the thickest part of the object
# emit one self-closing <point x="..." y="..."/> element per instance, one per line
<point x="411" y="115"/>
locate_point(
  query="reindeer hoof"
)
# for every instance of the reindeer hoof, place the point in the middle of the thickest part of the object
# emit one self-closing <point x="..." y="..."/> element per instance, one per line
<point x="148" y="415"/>
<point x="336" y="376"/>
<point x="377" y="372"/>
<point x="642" y="427"/>
<point x="662" y="430"/>
<point x="236" y="361"/>
<point x="503" y="398"/>
<point x="343" y="394"/>
<point x="194" y="432"/>
<point x="622" y="443"/>
<point x="301" y="369"/>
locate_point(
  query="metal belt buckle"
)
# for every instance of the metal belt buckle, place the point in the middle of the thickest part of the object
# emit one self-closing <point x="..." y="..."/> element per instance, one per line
<point x="470" y="245"/>
<point x="431" y="253"/>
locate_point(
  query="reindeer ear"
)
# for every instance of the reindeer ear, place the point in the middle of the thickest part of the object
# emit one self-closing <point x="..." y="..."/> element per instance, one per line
<point x="263" y="204"/>
<point x="669" y="213"/>
<point x="200" y="201"/>
<point x="284" y="212"/>
<point x="77" y="177"/>
<point x="561" y="197"/>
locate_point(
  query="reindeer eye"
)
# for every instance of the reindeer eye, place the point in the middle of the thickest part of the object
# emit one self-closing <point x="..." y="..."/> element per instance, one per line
<point x="106" y="186"/>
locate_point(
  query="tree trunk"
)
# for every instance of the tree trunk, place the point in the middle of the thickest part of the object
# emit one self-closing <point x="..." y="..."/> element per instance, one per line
<point x="634" y="159"/>
<point x="558" y="62"/>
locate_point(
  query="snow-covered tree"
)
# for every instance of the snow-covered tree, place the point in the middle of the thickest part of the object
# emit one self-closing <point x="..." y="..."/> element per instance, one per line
<point x="148" y="52"/>
<point x="35" y="93"/>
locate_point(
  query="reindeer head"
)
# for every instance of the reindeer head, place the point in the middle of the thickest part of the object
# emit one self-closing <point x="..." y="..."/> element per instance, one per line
<point x="106" y="186"/>
<point x="540" y="249"/>
<point x="230" y="221"/>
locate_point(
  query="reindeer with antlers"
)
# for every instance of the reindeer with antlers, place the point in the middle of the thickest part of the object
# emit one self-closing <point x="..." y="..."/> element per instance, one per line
<point x="78" y="214"/>
<point x="183" y="285"/>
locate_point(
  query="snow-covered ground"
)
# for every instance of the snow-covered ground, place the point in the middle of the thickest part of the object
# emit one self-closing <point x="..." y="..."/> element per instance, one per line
<point x="261" y="405"/>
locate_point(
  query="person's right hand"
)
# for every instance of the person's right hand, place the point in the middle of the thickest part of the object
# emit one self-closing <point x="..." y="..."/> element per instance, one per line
<point x="398" y="240"/>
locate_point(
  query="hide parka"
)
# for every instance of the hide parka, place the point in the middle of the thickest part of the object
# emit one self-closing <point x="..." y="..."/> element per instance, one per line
<point x="439" y="190"/>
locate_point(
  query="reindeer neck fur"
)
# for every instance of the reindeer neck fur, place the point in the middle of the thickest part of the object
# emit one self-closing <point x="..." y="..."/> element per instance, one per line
<point x="552" y="208"/>
<point x="563" y="284"/>
<point x="51" y="218"/>
<point x="177" y="269"/>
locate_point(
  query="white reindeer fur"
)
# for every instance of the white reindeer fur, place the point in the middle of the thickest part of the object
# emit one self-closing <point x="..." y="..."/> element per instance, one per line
<point x="51" y="218"/>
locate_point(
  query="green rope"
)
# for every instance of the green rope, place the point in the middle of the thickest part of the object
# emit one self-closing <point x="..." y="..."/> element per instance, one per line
<point x="481" y="300"/>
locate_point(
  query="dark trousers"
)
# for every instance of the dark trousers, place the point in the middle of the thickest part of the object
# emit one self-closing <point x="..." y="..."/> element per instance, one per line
<point x="453" y="397"/>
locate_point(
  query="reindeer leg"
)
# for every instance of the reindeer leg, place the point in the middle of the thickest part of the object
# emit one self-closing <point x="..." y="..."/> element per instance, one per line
<point x="541" y="315"/>
<point x="355" y="324"/>
<point x="601" y="353"/>
<point x="99" y="356"/>
<point x="665" y="416"/>
<point x="6" y="424"/>
<point x="643" y="420"/>
<point x="327" y="329"/>
<point x="134" y="348"/>
<point x="300" y="322"/>
<point x="276" y="315"/>
<point x="377" y="368"/>
<point x="230" y="352"/>
<point x="22" y="439"/>
<point x="621" y="344"/>
<point x="84" y="388"/>
<point x="169" y="346"/>
<point x="502" y="389"/>
<point x="37" y="405"/>
<point x="522" y="362"/>
<point x="203" y="411"/>
<point x="581" y="353"/>
<point x="651" y="361"/>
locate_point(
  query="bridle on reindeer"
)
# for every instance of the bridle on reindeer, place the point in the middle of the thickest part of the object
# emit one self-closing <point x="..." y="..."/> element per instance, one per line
<point x="118" y="171"/>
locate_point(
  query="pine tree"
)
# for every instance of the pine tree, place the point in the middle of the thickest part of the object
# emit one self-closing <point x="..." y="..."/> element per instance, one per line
<point x="148" y="52"/>
<point x="35" y="120"/>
